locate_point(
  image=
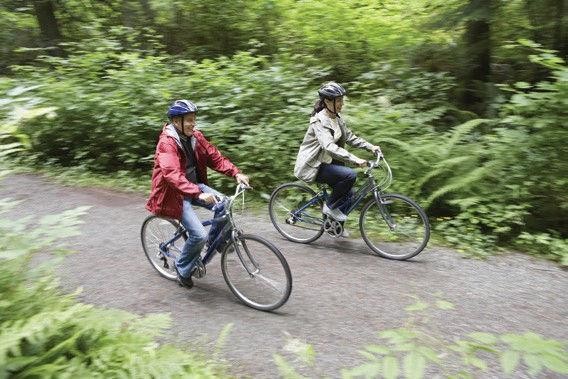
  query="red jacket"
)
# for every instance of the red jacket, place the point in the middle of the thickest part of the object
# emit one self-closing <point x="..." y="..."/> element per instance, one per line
<point x="169" y="183"/>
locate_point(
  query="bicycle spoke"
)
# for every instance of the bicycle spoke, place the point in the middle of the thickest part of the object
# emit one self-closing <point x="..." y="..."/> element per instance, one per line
<point x="267" y="283"/>
<point x="156" y="231"/>
<point x="293" y="210"/>
<point x="271" y="283"/>
<point x="408" y="236"/>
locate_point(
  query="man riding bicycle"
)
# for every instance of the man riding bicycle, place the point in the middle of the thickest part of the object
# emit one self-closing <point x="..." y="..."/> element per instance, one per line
<point x="179" y="182"/>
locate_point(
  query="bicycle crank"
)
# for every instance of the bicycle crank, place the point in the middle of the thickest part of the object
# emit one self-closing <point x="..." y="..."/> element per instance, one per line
<point x="199" y="271"/>
<point x="162" y="257"/>
<point x="333" y="227"/>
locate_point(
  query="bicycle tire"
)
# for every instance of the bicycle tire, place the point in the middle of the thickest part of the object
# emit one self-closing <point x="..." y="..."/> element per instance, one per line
<point x="394" y="241"/>
<point x="150" y="243"/>
<point x="244" y="285"/>
<point x="288" y="196"/>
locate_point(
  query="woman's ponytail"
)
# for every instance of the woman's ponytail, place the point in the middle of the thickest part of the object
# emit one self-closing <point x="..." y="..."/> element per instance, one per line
<point x="318" y="106"/>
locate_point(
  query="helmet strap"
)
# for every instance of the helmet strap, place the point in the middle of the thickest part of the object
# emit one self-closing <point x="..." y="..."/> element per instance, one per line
<point x="334" y="109"/>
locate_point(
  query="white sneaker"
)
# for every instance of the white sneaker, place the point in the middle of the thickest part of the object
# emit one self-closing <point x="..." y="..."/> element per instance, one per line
<point x="345" y="233"/>
<point x="336" y="214"/>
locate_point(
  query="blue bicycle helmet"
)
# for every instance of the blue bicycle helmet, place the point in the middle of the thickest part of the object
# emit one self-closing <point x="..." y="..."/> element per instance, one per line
<point x="181" y="107"/>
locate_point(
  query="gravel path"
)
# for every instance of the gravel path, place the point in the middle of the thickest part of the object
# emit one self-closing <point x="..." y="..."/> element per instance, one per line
<point x="341" y="297"/>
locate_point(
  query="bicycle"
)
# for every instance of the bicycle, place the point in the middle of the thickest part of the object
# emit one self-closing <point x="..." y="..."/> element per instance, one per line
<point x="393" y="226"/>
<point x="254" y="269"/>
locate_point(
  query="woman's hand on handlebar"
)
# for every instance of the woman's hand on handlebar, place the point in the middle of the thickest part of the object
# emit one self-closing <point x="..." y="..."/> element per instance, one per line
<point x="377" y="150"/>
<point x="361" y="162"/>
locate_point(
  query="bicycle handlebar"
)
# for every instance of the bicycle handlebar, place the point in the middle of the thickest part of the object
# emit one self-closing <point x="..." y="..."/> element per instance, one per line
<point x="387" y="179"/>
<point x="238" y="191"/>
<point x="373" y="164"/>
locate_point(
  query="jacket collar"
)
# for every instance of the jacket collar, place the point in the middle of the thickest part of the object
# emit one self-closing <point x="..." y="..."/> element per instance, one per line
<point x="325" y="120"/>
<point x="172" y="132"/>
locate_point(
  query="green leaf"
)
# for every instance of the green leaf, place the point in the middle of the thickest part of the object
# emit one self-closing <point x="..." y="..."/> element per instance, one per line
<point x="534" y="363"/>
<point x="522" y="85"/>
<point x="378" y="349"/>
<point x="222" y="338"/>
<point x="304" y="351"/>
<point x="520" y="100"/>
<point x="429" y="354"/>
<point x="509" y="361"/>
<point x="286" y="369"/>
<point x="555" y="363"/>
<point x="414" y="365"/>
<point x="390" y="367"/>
<point x="443" y="304"/>
<point x="367" y="370"/>
<point x="484" y="337"/>
<point x="417" y="307"/>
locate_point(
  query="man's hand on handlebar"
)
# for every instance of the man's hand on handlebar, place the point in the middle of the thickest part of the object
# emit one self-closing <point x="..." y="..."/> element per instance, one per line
<point x="243" y="179"/>
<point x="207" y="198"/>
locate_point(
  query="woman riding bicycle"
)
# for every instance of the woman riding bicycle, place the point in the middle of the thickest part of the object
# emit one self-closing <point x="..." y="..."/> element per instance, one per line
<point x="179" y="181"/>
<point x="322" y="154"/>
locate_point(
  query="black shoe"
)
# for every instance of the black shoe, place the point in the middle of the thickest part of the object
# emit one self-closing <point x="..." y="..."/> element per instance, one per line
<point x="184" y="282"/>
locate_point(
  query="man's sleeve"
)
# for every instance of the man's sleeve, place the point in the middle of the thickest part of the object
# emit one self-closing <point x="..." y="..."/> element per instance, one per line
<point x="217" y="162"/>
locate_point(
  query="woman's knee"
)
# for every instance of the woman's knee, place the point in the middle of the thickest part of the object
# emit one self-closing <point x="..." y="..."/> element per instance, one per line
<point x="349" y="175"/>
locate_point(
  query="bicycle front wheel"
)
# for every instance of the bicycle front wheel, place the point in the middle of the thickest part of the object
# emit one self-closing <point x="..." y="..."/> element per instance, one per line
<point x="256" y="272"/>
<point x="156" y="230"/>
<point x="296" y="212"/>
<point x="396" y="229"/>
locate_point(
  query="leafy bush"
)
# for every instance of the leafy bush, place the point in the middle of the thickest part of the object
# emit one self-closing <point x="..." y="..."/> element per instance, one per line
<point x="494" y="178"/>
<point x="45" y="333"/>
<point x="415" y="352"/>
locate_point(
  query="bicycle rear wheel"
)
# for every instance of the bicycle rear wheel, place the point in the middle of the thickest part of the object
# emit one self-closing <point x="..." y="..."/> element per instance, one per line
<point x="156" y="230"/>
<point x="259" y="276"/>
<point x="396" y="229"/>
<point x="286" y="213"/>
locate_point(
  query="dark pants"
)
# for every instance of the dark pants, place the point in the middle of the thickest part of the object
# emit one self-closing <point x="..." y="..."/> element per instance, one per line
<point x="341" y="180"/>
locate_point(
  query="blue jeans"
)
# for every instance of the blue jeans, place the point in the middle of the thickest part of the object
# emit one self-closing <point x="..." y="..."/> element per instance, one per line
<point x="341" y="179"/>
<point x="197" y="235"/>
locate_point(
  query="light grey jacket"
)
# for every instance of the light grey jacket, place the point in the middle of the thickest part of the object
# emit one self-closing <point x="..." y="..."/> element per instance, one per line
<point x="321" y="145"/>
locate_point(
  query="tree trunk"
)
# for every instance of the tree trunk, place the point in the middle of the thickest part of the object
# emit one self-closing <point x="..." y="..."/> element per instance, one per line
<point x="148" y="11"/>
<point x="50" y="35"/>
<point x="560" y="42"/>
<point x="478" y="52"/>
<point x="548" y="24"/>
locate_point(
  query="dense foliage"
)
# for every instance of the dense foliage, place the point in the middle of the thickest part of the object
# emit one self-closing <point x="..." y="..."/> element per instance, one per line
<point x="479" y="144"/>
<point x="48" y="334"/>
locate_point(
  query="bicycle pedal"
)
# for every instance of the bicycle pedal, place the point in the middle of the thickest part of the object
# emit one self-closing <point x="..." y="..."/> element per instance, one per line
<point x="333" y="227"/>
<point x="199" y="271"/>
<point x="290" y="221"/>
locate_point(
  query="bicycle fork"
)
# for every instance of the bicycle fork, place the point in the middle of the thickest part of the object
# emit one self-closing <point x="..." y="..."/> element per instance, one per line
<point x="384" y="211"/>
<point x="241" y="243"/>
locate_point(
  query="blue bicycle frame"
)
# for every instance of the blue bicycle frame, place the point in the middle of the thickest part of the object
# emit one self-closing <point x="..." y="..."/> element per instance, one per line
<point x="369" y="186"/>
<point x="210" y="253"/>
